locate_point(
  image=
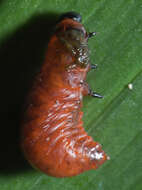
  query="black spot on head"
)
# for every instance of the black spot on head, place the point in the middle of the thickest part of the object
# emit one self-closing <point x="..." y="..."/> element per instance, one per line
<point x="73" y="15"/>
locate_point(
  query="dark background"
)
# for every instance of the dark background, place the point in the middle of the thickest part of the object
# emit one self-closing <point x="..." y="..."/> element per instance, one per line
<point x="21" y="56"/>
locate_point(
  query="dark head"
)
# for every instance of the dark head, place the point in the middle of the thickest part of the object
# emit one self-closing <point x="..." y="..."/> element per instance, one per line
<point x="70" y="23"/>
<point x="73" y="35"/>
<point x="72" y="15"/>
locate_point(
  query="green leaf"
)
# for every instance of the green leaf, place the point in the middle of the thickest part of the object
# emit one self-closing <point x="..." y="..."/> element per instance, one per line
<point x="115" y="121"/>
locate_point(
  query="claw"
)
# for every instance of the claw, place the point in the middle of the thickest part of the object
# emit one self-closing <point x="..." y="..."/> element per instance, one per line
<point x="93" y="66"/>
<point x="91" y="34"/>
<point x="95" y="95"/>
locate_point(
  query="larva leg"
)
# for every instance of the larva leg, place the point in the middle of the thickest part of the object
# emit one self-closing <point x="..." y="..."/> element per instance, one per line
<point x="91" y="34"/>
<point x="95" y="94"/>
<point x="88" y="91"/>
<point x="93" y="66"/>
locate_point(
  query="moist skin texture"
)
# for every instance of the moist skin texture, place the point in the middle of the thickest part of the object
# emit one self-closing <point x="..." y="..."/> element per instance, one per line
<point x="53" y="138"/>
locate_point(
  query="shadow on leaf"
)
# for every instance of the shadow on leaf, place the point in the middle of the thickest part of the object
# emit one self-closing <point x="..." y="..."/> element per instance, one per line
<point x="21" y="56"/>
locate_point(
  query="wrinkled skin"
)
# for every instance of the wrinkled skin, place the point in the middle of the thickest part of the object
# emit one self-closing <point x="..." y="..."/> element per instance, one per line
<point x="53" y="138"/>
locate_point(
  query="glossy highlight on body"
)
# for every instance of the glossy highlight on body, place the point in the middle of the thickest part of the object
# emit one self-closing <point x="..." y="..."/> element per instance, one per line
<point x="52" y="135"/>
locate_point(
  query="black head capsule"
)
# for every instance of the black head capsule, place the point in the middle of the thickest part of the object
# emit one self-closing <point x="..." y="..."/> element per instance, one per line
<point x="72" y="15"/>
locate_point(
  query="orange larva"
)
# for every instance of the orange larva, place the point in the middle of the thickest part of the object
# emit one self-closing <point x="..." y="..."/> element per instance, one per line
<point x="53" y="138"/>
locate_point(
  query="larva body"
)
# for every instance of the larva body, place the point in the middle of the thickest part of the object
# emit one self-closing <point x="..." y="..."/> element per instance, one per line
<point x="53" y="137"/>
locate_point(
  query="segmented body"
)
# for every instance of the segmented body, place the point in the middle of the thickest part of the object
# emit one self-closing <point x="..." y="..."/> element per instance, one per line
<point x="53" y="137"/>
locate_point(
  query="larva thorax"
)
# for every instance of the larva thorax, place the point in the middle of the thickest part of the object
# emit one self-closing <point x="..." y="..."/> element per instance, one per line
<point x="75" y="39"/>
<point x="70" y="42"/>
